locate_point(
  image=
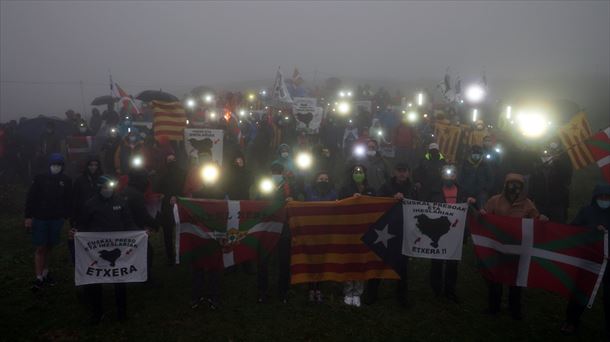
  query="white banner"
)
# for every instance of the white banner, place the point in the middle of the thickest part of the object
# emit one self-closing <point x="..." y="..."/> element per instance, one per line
<point x="433" y="230"/>
<point x="204" y="143"/>
<point x="304" y="104"/>
<point x="110" y="257"/>
<point x="309" y="122"/>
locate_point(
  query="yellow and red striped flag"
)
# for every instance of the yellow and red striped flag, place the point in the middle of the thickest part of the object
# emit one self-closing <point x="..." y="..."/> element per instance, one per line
<point x="326" y="240"/>
<point x="169" y="120"/>
<point x="448" y="137"/>
<point x="573" y="136"/>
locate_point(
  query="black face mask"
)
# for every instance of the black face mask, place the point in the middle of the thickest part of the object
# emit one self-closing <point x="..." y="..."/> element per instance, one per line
<point x="323" y="187"/>
<point x="513" y="191"/>
<point x="447" y="182"/>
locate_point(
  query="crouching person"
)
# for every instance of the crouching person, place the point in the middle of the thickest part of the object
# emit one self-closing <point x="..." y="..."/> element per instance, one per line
<point x="105" y="212"/>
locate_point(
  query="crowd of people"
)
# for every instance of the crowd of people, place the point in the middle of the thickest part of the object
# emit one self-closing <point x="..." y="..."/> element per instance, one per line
<point x="127" y="168"/>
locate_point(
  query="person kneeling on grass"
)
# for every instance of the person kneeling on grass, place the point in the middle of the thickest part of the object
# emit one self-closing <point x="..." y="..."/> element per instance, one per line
<point x="47" y="206"/>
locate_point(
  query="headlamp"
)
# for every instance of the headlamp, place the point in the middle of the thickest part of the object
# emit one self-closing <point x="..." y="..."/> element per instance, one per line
<point x="304" y="160"/>
<point x="210" y="173"/>
<point x="266" y="186"/>
<point x="137" y="162"/>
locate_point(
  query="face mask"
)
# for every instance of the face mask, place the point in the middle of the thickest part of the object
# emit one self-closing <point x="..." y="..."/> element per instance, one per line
<point x="603" y="204"/>
<point x="55" y="169"/>
<point x="92" y="169"/>
<point x="370" y="153"/>
<point x="475" y="157"/>
<point x="358" y="177"/>
<point x="277" y="179"/>
<point x="284" y="155"/>
<point x="323" y="187"/>
<point x="106" y="193"/>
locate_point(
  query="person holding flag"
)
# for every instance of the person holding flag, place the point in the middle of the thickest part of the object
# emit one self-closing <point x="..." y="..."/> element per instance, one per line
<point x="596" y="215"/>
<point x="512" y="202"/>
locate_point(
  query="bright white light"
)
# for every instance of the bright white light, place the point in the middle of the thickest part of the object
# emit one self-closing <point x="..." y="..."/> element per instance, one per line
<point x="190" y="103"/>
<point x="475" y="93"/>
<point x="128" y="129"/>
<point x="286" y="118"/>
<point x="343" y="108"/>
<point x="263" y="92"/>
<point x="412" y="116"/>
<point x="349" y="94"/>
<point x="425" y="115"/>
<point x="498" y="150"/>
<point x="488" y="156"/>
<point x="420" y="99"/>
<point x="266" y="186"/>
<point x="341" y="94"/>
<point x="187" y="122"/>
<point x="208" y="98"/>
<point x="137" y="162"/>
<point x="350" y="120"/>
<point x="113" y="130"/>
<point x="379" y="132"/>
<point x="532" y="123"/>
<point x="475" y="115"/>
<point x="210" y="173"/>
<point x="242" y="112"/>
<point x="359" y="151"/>
<point x="304" y="160"/>
<point x="408" y="105"/>
<point x="213" y="115"/>
<point x="509" y="111"/>
<point x="448" y="171"/>
<point x="111" y="184"/>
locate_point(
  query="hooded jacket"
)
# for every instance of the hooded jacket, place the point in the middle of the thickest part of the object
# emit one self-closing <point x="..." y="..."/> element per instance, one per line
<point x="592" y="215"/>
<point x="287" y="163"/>
<point x="133" y="196"/>
<point x="85" y="186"/>
<point x="428" y="174"/>
<point x="105" y="215"/>
<point x="521" y="207"/>
<point x="49" y="196"/>
<point x="392" y="187"/>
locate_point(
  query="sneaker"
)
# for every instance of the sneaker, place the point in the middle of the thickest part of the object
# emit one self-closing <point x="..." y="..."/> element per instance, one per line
<point x="37" y="285"/>
<point x="49" y="280"/>
<point x="312" y="296"/>
<point x="356" y="301"/>
<point x="196" y="303"/>
<point x="348" y="300"/>
<point x="318" y="296"/>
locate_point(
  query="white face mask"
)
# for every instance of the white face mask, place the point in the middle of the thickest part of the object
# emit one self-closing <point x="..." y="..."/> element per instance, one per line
<point x="284" y="154"/>
<point x="55" y="169"/>
<point x="106" y="193"/>
<point x="603" y="204"/>
<point x="371" y="153"/>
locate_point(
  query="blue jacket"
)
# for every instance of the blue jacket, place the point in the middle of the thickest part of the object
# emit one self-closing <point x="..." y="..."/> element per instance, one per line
<point x="592" y="215"/>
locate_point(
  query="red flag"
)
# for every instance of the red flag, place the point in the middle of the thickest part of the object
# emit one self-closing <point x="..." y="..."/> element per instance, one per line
<point x="599" y="145"/>
<point x="564" y="259"/>
<point x="127" y="101"/>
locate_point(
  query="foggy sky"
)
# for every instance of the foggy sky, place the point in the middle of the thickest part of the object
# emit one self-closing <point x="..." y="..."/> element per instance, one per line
<point x="554" y="49"/>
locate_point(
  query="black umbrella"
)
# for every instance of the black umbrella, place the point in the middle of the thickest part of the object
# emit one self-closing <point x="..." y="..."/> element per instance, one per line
<point x="104" y="100"/>
<point x="156" y="95"/>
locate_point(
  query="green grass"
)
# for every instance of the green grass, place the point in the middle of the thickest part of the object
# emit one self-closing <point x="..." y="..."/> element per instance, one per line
<point x="161" y="312"/>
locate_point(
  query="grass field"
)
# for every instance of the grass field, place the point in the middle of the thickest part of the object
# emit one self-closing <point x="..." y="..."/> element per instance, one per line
<point x="161" y="311"/>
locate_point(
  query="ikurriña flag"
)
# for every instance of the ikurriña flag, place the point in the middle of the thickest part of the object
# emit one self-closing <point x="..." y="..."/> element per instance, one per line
<point x="215" y="234"/>
<point x="326" y="240"/>
<point x="599" y="145"/>
<point x="169" y="120"/>
<point x="564" y="259"/>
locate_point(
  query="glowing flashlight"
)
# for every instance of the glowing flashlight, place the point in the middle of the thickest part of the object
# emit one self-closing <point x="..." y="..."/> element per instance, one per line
<point x="111" y="184"/>
<point x="475" y="93"/>
<point x="412" y="116"/>
<point x="488" y="156"/>
<point x="266" y="186"/>
<point x="113" y="130"/>
<point x="532" y="123"/>
<point x="242" y="112"/>
<point x="509" y="111"/>
<point x="210" y="173"/>
<point x="208" y="98"/>
<point x="359" y="151"/>
<point x="475" y="115"/>
<point x="343" y="108"/>
<point x="251" y="97"/>
<point x="379" y="132"/>
<point x="190" y="103"/>
<point x="137" y="162"/>
<point x="304" y="160"/>
<point x="213" y="115"/>
<point x="420" y="99"/>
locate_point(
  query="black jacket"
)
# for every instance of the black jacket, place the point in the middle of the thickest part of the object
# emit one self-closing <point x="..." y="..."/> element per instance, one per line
<point x="389" y="188"/>
<point x="85" y="187"/>
<point x="49" y="197"/>
<point x="105" y="215"/>
<point x="351" y="188"/>
<point x="133" y="195"/>
<point x="428" y="174"/>
<point x="238" y="182"/>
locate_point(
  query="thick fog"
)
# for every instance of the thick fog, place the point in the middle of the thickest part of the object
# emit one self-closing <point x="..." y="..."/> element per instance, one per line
<point x="542" y="50"/>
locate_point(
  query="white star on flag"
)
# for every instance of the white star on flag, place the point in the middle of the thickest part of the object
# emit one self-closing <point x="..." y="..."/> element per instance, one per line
<point x="383" y="236"/>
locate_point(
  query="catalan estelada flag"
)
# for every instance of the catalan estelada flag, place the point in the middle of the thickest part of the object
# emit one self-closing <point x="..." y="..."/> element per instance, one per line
<point x="326" y="240"/>
<point x="573" y="137"/>
<point x="564" y="259"/>
<point x="169" y="120"/>
<point x="599" y="145"/>
<point x="448" y="137"/>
